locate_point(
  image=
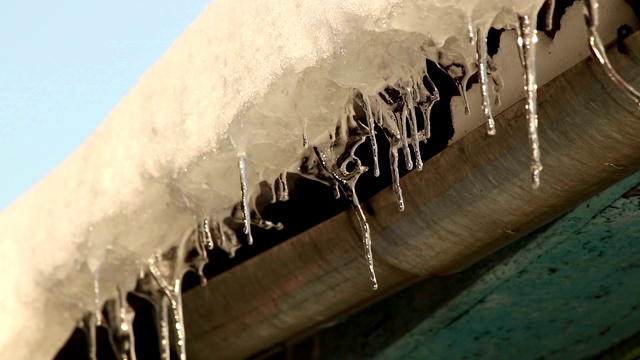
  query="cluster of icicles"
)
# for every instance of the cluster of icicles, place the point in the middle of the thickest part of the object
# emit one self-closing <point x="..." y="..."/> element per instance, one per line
<point x="333" y="163"/>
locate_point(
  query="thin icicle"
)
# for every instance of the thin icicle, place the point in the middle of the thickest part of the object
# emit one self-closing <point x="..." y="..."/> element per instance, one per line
<point x="462" y="88"/>
<point x="283" y="188"/>
<point x="305" y="138"/>
<point x="527" y="38"/>
<point x="96" y="298"/>
<point x="347" y="185"/>
<point x="120" y="319"/>
<point x="599" y="53"/>
<point x="496" y="78"/>
<point x="427" y="103"/>
<point x="404" y="137"/>
<point x="413" y="125"/>
<point x="162" y="327"/>
<point x="174" y="296"/>
<point x="242" y="167"/>
<point x="372" y="136"/>
<point x="88" y="325"/>
<point x="386" y="120"/>
<point x="395" y="178"/>
<point x="161" y="284"/>
<point x="149" y="288"/>
<point x="548" y="20"/>
<point x="481" y="58"/>
<point x="92" y="319"/>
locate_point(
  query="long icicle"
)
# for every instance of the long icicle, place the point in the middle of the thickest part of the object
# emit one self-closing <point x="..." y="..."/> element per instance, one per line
<point x="527" y="38"/>
<point x="242" y="167"/>
<point x="413" y="126"/>
<point x="393" y="157"/>
<point x="93" y="319"/>
<point x="481" y="58"/>
<point x="350" y="193"/>
<point x="599" y="53"/>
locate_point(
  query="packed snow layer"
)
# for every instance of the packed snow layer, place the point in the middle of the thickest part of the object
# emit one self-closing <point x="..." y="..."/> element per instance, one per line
<point x="245" y="77"/>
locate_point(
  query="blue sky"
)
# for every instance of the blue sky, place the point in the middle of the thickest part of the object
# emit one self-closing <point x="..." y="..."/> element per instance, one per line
<point x="63" y="66"/>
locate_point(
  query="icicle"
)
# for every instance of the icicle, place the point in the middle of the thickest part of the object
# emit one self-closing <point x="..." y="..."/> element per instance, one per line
<point x="120" y="319"/>
<point x="242" y="166"/>
<point x="92" y="318"/>
<point x="173" y="294"/>
<point x="428" y="102"/>
<point x="88" y="325"/>
<point x="548" y="20"/>
<point x="395" y="178"/>
<point x="496" y="78"/>
<point x="599" y="52"/>
<point x="282" y="188"/>
<point x="372" y="136"/>
<point x="347" y="185"/>
<point x="527" y="38"/>
<point x="206" y="234"/>
<point x="402" y="125"/>
<point x="335" y="170"/>
<point x="96" y="298"/>
<point x="462" y="88"/>
<point x="162" y="285"/>
<point x="481" y="57"/>
<point x="413" y="126"/>
<point x="162" y="327"/>
<point x="391" y="132"/>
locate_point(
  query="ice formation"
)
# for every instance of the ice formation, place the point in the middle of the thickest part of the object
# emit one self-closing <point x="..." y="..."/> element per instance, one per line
<point x="251" y="91"/>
